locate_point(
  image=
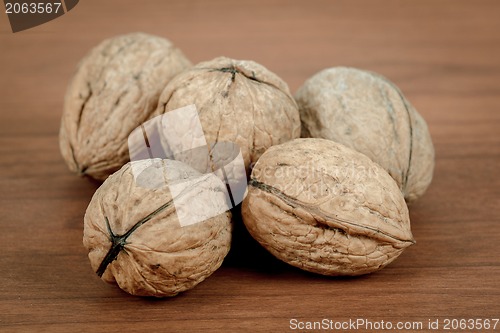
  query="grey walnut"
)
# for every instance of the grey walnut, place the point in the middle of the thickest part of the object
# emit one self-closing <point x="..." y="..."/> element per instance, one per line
<point x="326" y="208"/>
<point x="134" y="237"/>
<point x="238" y="101"/>
<point x="115" y="89"/>
<point x="368" y="113"/>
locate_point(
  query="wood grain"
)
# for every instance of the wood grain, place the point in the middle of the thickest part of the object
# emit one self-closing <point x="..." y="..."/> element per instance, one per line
<point x="444" y="55"/>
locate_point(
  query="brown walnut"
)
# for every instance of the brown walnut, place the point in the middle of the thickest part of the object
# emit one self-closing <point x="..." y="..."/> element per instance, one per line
<point x="368" y="113"/>
<point x="133" y="233"/>
<point x="238" y="101"/>
<point x="325" y="208"/>
<point x="115" y="89"/>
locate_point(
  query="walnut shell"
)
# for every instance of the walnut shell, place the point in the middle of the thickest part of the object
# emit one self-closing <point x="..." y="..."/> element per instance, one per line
<point x="115" y="89"/>
<point x="238" y="101"/>
<point x="325" y="208"/>
<point x="368" y="113"/>
<point x="134" y="236"/>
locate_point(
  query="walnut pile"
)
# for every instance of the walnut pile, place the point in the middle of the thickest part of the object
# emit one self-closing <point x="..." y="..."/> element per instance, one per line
<point x="333" y="202"/>
<point x="238" y="101"/>
<point x="115" y="89"/>
<point x="368" y="113"/>
<point x="135" y="239"/>
<point x="325" y="208"/>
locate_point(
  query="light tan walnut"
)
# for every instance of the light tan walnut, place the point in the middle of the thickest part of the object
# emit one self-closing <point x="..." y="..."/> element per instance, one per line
<point x="326" y="208"/>
<point x="135" y="236"/>
<point x="238" y="101"/>
<point x="368" y="113"/>
<point x="115" y="89"/>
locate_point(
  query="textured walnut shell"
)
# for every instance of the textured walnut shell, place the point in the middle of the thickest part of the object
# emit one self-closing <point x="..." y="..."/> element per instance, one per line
<point x="325" y="208"/>
<point x="368" y="113"/>
<point x="134" y="237"/>
<point x="238" y="101"/>
<point x="115" y="89"/>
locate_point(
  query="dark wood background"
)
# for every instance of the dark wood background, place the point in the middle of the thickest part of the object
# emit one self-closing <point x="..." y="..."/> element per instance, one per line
<point x="444" y="55"/>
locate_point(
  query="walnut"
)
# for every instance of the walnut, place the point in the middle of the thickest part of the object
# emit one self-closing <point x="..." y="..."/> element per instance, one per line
<point x="368" y="113"/>
<point x="115" y="89"/>
<point x="238" y="101"/>
<point x="135" y="236"/>
<point x="326" y="208"/>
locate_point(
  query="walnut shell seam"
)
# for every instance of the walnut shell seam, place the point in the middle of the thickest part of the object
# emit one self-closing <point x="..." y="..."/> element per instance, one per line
<point x="346" y="226"/>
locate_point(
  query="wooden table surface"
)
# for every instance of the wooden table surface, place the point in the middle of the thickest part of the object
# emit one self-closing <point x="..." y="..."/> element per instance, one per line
<point x="444" y="55"/>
